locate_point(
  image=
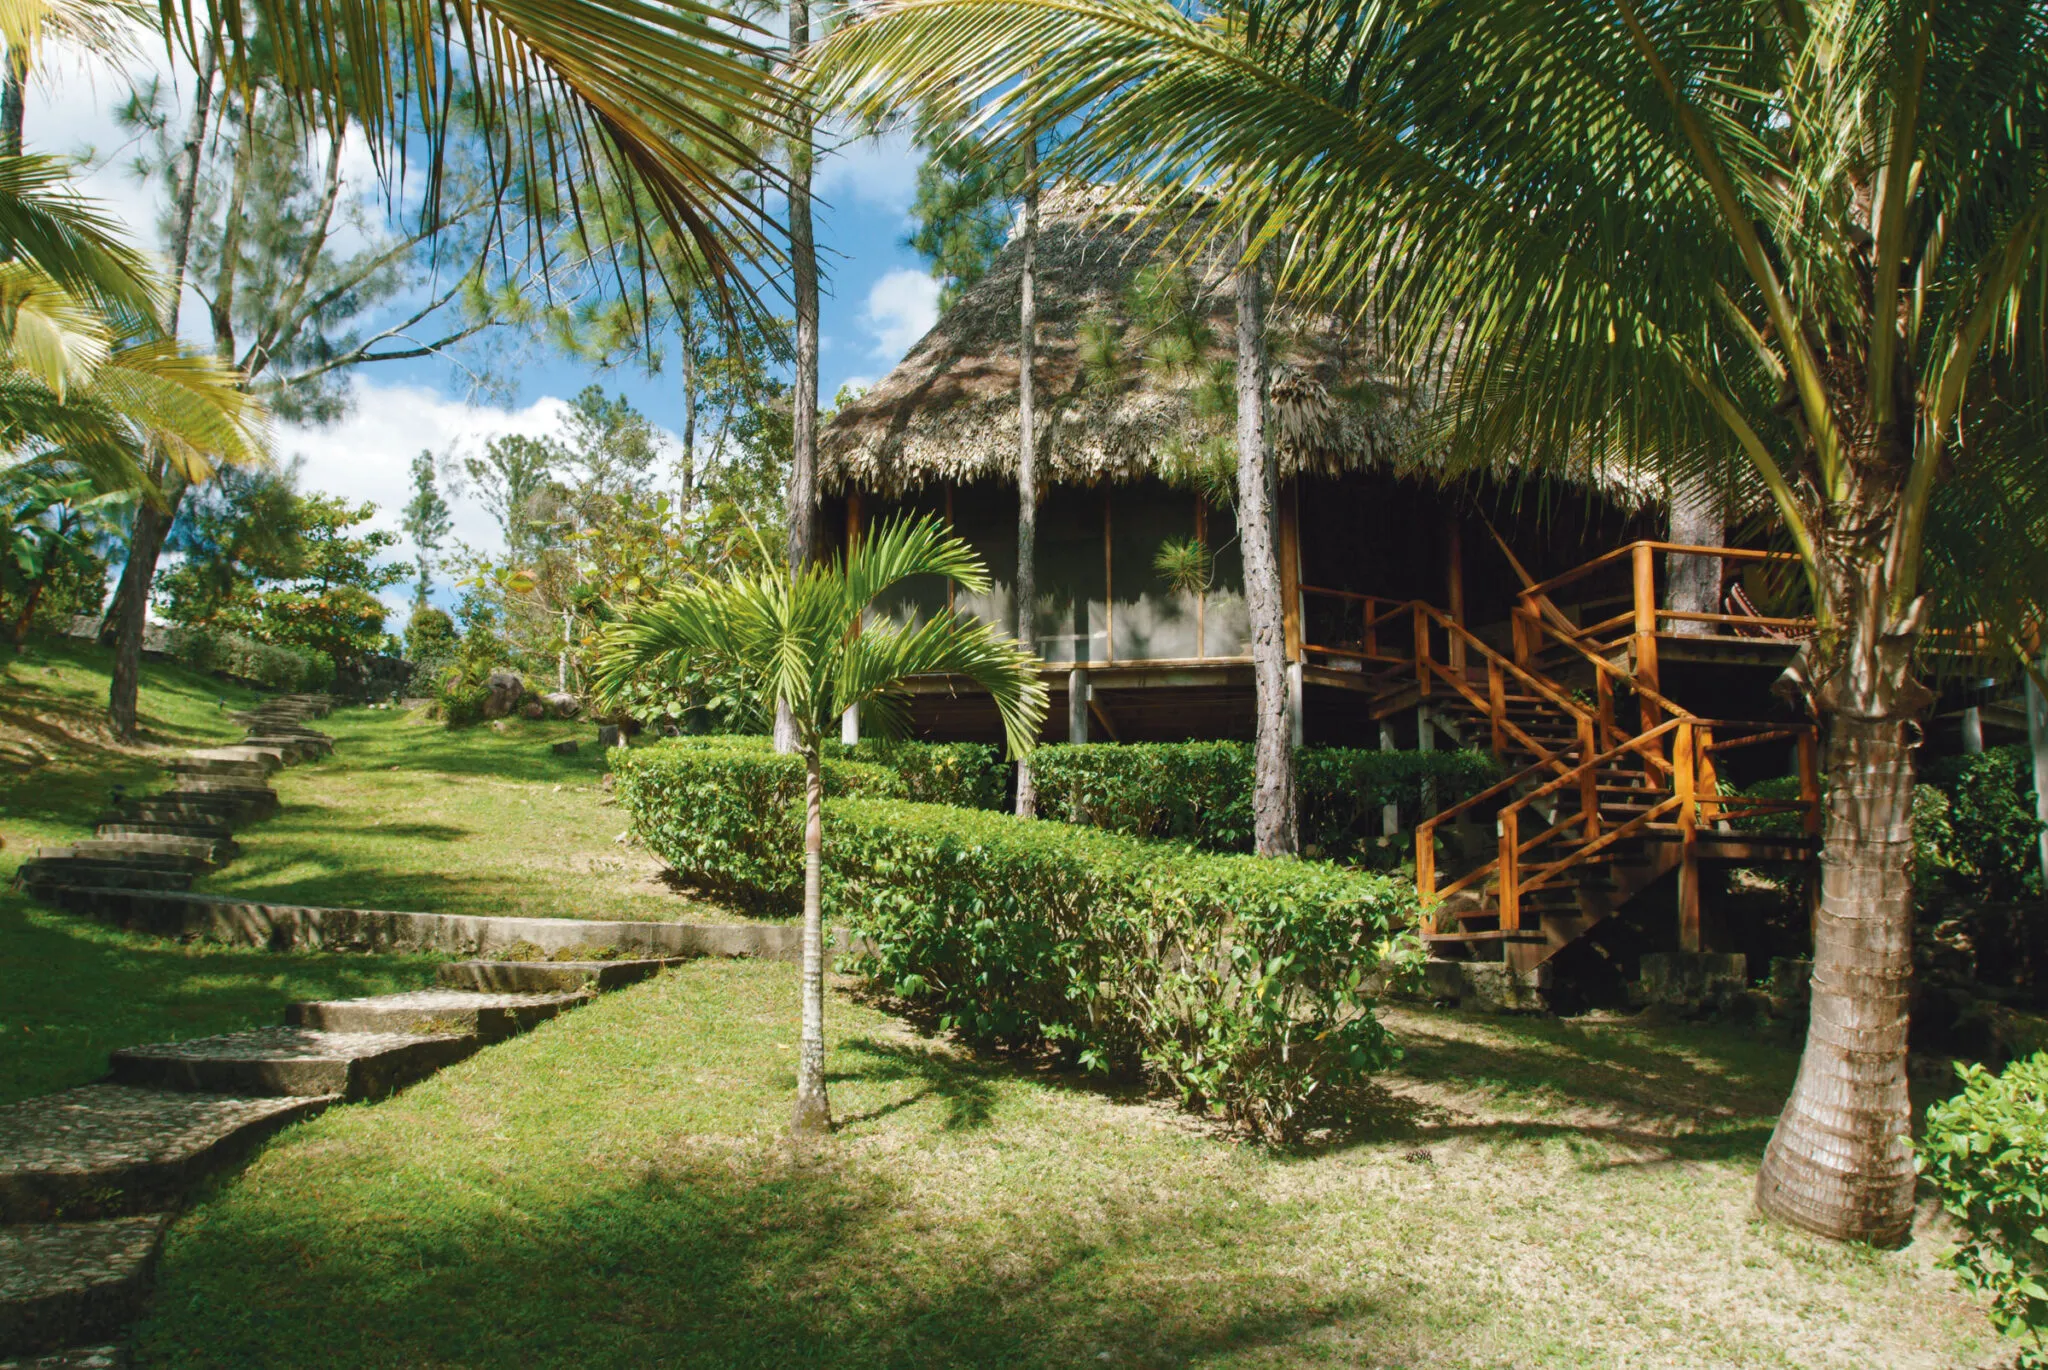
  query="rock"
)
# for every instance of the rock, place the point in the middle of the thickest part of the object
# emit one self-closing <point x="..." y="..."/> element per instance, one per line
<point x="505" y="688"/>
<point x="562" y="705"/>
<point x="1691" y="982"/>
<point x="568" y="748"/>
<point x="610" y="736"/>
<point x="534" y="709"/>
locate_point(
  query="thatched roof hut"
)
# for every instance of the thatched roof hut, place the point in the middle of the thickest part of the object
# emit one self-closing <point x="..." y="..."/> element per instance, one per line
<point x="948" y="411"/>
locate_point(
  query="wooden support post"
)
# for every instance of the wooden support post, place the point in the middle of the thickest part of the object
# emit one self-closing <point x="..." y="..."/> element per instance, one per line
<point x="1077" y="706"/>
<point x="1454" y="551"/>
<point x="1422" y="650"/>
<point x="1371" y="641"/>
<point x="1509" y="867"/>
<point x="1425" y="865"/>
<point x="1425" y="741"/>
<point x="1706" y="778"/>
<point x="1522" y="626"/>
<point x="1589" y="783"/>
<point x="1108" y="584"/>
<point x="849" y="722"/>
<point x="1390" y="814"/>
<point x="1294" y="723"/>
<point x="1809" y="780"/>
<point x="1603" y="694"/>
<point x="1682" y="773"/>
<point x="1497" y="703"/>
<point x="1646" y="625"/>
<point x="1290" y="567"/>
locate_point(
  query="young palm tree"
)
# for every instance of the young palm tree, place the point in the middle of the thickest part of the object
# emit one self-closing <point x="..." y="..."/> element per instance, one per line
<point x="1801" y="241"/>
<point x="801" y="633"/>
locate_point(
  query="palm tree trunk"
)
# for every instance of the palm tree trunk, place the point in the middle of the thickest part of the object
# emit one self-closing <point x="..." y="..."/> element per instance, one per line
<point x="1274" y="827"/>
<point x="1027" y="452"/>
<point x="802" y="504"/>
<point x="13" y="105"/>
<point x="1840" y="1161"/>
<point x="813" y="1109"/>
<point x="1693" y="583"/>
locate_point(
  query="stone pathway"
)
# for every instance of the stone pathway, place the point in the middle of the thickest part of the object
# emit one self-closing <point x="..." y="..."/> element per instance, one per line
<point x="91" y="1178"/>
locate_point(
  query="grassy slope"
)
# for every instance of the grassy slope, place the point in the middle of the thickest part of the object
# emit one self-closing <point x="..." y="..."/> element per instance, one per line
<point x="616" y="1189"/>
<point x="69" y="989"/>
<point x="408" y="815"/>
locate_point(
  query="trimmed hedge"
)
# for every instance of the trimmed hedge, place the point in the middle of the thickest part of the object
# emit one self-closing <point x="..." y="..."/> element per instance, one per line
<point x="1239" y="984"/>
<point x="1985" y="1153"/>
<point x="967" y="775"/>
<point x="240" y="657"/>
<point x="719" y="810"/>
<point x="1201" y="792"/>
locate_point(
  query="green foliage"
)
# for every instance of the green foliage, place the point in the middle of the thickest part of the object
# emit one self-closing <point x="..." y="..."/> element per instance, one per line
<point x="967" y="193"/>
<point x="1985" y="1152"/>
<point x="1991" y="843"/>
<point x="54" y="529"/>
<point x="427" y="523"/>
<point x="1237" y="983"/>
<point x="241" y="657"/>
<point x="430" y="642"/>
<point x="727" y="812"/>
<point x="1201" y="792"/>
<point x="1185" y="565"/>
<point x="967" y="775"/>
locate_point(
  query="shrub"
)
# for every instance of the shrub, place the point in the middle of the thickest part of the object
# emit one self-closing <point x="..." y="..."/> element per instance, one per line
<point x="430" y="642"/>
<point x="1237" y="983"/>
<point x="967" y="775"/>
<point x="725" y="811"/>
<point x="1992" y="842"/>
<point x="240" y="657"/>
<point x="1201" y="792"/>
<point x="1986" y="1154"/>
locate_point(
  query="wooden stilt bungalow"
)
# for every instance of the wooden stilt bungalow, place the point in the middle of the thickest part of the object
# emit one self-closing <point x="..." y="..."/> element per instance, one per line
<point x="1622" y="678"/>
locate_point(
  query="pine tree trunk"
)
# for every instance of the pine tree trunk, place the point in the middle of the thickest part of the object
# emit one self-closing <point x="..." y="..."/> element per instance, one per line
<point x="1840" y="1160"/>
<point x="1693" y="583"/>
<point x="2037" y="741"/>
<point x="1274" y="828"/>
<point x="802" y="503"/>
<point x="688" y="474"/>
<point x="1027" y="452"/>
<point x="813" y="1109"/>
<point x="129" y="614"/>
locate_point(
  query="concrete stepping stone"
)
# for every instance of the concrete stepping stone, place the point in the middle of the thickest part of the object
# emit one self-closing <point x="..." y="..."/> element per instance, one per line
<point x="236" y="756"/>
<point x="549" y="977"/>
<point x="492" y="1017"/>
<point x="38" y="874"/>
<point x="66" y="1283"/>
<point x="296" y="747"/>
<point x="292" y="1061"/>
<point x="249" y="774"/>
<point x="104" y="1151"/>
<point x="117" y="826"/>
<point x="233" y="797"/>
<point x="190" y="853"/>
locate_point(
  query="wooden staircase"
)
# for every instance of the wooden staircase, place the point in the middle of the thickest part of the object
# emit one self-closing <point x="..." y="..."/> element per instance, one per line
<point x="1614" y="785"/>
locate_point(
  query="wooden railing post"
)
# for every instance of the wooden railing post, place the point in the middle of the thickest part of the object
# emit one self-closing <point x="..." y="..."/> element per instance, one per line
<point x="1589" y="783"/>
<point x="1682" y="776"/>
<point x="1809" y="780"/>
<point x="1422" y="649"/>
<point x="1646" y="624"/>
<point x="1425" y="859"/>
<point x="1510" y="897"/>
<point x="1527" y="633"/>
<point x="1603" y="691"/>
<point x="1497" y="702"/>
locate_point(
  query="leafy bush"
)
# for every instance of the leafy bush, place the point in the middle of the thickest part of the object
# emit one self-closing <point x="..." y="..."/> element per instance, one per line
<point x="1235" y="982"/>
<point x="1992" y="840"/>
<point x="1238" y="983"/>
<point x="430" y="642"/>
<point x="240" y="657"/>
<point x="1201" y="792"/>
<point x="967" y="775"/>
<point x="725" y="811"/>
<point x="1986" y="1154"/>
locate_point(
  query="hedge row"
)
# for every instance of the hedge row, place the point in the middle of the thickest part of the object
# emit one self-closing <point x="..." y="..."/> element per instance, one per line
<point x="1239" y="984"/>
<point x="240" y="657"/>
<point x="1201" y="792"/>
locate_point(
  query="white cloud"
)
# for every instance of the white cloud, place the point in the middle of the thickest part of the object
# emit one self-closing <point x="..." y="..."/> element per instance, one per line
<point x="879" y="171"/>
<point x="902" y="306"/>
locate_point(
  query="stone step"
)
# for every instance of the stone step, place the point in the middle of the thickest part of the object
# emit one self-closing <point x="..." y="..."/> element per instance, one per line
<point x="254" y="774"/>
<point x="64" y="1284"/>
<point x="115" y="854"/>
<point x="107" y="1151"/>
<point x="296" y="748"/>
<point x="292" y="1060"/>
<point x="271" y="759"/>
<point x="117" y="826"/>
<point x="204" y="852"/>
<point x="548" y="977"/>
<point x="244" y="800"/>
<point x="212" y="808"/>
<point x="38" y="875"/>
<point x="492" y="1017"/>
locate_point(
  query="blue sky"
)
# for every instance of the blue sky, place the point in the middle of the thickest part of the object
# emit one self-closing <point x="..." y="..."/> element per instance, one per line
<point x="878" y="300"/>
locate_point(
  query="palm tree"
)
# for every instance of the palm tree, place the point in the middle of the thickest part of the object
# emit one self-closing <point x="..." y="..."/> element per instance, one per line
<point x="800" y="631"/>
<point x="1802" y="242"/>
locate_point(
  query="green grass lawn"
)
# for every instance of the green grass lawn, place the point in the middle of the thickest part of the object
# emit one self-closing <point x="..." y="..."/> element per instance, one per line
<point x="616" y="1189"/>
<point x="70" y="990"/>
<point x="409" y="815"/>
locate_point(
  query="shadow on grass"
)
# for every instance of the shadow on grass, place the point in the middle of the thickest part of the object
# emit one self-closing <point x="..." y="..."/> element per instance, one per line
<point x="706" y="1263"/>
<point x="71" y="991"/>
<point x="963" y="1086"/>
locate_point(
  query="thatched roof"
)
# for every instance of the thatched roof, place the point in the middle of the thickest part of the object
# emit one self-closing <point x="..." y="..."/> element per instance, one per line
<point x="949" y="410"/>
